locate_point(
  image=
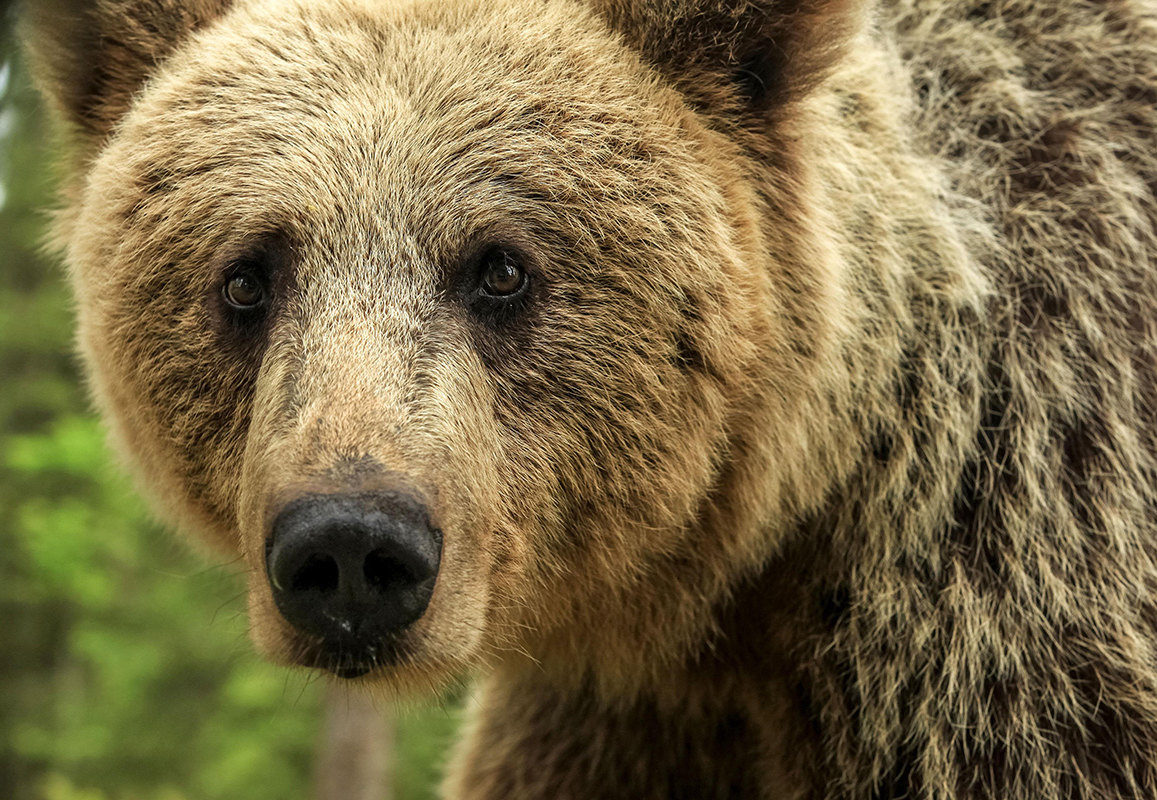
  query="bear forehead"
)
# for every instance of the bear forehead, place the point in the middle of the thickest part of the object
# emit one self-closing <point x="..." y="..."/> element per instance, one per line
<point x="450" y="114"/>
<point x="432" y="85"/>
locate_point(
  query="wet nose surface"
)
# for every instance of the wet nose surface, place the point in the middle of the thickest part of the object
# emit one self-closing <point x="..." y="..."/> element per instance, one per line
<point x="353" y="569"/>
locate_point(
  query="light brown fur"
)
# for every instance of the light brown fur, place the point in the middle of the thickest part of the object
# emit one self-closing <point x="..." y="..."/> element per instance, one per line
<point x="821" y="462"/>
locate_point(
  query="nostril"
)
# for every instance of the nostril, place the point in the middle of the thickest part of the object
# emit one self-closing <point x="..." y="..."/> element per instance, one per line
<point x="319" y="573"/>
<point x="384" y="573"/>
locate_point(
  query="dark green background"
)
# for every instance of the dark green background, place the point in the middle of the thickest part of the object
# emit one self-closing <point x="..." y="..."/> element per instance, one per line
<point x="125" y="670"/>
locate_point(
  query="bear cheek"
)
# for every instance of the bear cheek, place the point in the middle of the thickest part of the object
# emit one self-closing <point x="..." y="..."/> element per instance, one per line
<point x="177" y="403"/>
<point x="147" y="338"/>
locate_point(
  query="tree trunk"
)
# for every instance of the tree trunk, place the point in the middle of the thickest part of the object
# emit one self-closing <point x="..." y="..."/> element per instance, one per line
<point x="355" y="750"/>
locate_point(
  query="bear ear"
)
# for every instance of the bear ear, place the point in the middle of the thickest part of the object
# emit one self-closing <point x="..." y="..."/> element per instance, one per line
<point x="89" y="57"/>
<point x="737" y="55"/>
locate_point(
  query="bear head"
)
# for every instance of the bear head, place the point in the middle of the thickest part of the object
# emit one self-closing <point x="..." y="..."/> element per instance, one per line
<point x="475" y="330"/>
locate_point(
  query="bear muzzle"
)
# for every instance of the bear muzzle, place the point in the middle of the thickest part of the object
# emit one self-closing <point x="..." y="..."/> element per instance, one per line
<point x="351" y="572"/>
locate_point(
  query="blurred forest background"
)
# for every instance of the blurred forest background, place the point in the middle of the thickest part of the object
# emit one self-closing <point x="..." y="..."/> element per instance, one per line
<point x="125" y="669"/>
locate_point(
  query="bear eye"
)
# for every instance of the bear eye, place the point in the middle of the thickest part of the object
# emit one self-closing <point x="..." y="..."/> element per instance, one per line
<point x="244" y="291"/>
<point x="501" y="274"/>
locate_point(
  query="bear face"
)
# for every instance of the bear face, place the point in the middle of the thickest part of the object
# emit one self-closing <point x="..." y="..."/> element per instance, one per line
<point x="483" y="257"/>
<point x="763" y="389"/>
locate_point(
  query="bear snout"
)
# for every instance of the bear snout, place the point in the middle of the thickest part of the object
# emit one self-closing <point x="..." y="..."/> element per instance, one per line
<point x="351" y="571"/>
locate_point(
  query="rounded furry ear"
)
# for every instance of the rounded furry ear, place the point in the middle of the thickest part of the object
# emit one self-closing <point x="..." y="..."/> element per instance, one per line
<point x="737" y="55"/>
<point x="89" y="57"/>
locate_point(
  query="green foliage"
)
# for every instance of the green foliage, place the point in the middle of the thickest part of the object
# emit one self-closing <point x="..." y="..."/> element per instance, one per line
<point x="152" y="688"/>
<point x="125" y="669"/>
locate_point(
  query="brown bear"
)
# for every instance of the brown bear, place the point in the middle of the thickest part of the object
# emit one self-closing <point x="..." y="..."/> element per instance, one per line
<point x="762" y="392"/>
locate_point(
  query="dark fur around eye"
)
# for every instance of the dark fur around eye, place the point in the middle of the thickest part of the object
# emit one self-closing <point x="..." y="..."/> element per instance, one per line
<point x="245" y="292"/>
<point x="496" y="283"/>
<point x="250" y="285"/>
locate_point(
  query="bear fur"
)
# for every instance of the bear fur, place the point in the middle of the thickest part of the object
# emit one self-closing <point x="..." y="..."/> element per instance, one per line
<point x="820" y="458"/>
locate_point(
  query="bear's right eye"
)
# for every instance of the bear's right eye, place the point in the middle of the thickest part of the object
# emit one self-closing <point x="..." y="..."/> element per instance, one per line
<point x="249" y="284"/>
<point x="244" y="291"/>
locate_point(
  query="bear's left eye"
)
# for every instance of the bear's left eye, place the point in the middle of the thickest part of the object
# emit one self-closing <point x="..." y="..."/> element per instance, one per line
<point x="244" y="291"/>
<point x="501" y="274"/>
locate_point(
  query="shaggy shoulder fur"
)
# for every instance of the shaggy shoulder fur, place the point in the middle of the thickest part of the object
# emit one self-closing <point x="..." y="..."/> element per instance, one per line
<point x="980" y="592"/>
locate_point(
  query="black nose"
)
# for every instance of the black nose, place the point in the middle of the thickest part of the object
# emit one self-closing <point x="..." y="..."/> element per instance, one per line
<point x="353" y="569"/>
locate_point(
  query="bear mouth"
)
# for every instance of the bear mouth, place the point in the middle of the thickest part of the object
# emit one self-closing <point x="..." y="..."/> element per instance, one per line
<point x="348" y="661"/>
<point x="349" y="673"/>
